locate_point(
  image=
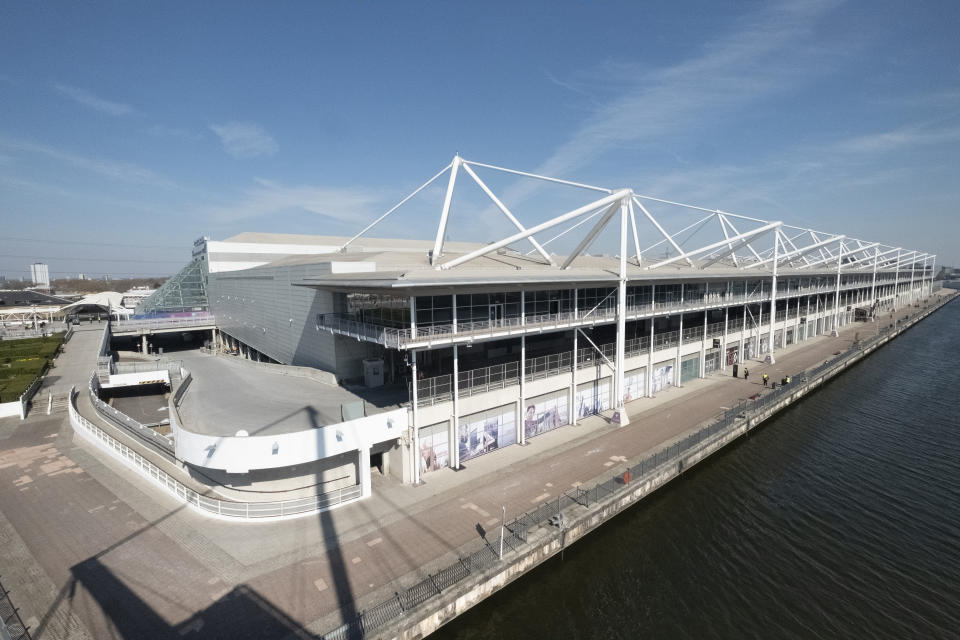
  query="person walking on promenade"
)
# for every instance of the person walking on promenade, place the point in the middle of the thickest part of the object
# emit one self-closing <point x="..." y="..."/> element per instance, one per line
<point x="746" y="373"/>
<point x="766" y="379"/>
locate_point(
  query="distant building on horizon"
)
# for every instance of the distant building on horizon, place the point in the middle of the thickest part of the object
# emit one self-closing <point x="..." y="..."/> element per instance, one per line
<point x="40" y="274"/>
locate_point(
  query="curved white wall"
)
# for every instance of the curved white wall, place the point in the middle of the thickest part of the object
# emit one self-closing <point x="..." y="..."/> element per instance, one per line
<point x="241" y="454"/>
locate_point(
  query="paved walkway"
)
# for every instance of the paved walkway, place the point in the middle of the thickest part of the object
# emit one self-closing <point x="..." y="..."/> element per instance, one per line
<point x="97" y="547"/>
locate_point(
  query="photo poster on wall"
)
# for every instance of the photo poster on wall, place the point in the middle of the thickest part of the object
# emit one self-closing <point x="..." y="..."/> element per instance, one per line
<point x="434" y="447"/>
<point x="487" y="431"/>
<point x="634" y="384"/>
<point x="662" y="376"/>
<point x="545" y="413"/>
<point x="593" y="397"/>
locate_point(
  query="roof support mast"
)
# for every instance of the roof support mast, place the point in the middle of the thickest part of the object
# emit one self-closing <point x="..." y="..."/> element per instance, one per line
<point x="445" y="214"/>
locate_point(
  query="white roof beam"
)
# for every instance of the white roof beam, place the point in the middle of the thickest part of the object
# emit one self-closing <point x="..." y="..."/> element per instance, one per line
<point x="445" y="213"/>
<point x="793" y="254"/>
<point x="565" y="217"/>
<point x="395" y="207"/>
<point x="735" y="230"/>
<point x="660" y="229"/>
<point x="506" y="212"/>
<point x="743" y="239"/>
<point x="589" y="238"/>
<point x="536" y="176"/>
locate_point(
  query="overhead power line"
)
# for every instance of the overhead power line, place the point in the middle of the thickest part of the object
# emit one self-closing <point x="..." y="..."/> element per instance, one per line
<point x="96" y="259"/>
<point x="96" y="244"/>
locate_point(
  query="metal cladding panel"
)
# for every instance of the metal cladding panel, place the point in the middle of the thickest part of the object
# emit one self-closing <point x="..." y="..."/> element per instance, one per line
<point x="261" y="308"/>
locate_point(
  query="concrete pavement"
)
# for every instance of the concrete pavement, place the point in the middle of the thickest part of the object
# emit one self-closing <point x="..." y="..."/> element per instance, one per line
<point x="107" y="547"/>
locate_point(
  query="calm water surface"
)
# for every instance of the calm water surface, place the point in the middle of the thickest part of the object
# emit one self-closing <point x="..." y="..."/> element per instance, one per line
<point x="840" y="518"/>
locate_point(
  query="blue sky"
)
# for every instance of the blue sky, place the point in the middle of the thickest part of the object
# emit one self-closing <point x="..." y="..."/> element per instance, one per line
<point x="146" y="125"/>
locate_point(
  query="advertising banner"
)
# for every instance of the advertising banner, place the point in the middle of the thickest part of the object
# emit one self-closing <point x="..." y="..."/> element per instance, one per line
<point x="434" y="447"/>
<point x="487" y="431"/>
<point x="546" y="413"/>
<point x="634" y="384"/>
<point x="593" y="397"/>
<point x="662" y="376"/>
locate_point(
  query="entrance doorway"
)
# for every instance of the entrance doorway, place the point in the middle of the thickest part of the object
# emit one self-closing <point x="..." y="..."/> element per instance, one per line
<point x="376" y="462"/>
<point x="496" y="314"/>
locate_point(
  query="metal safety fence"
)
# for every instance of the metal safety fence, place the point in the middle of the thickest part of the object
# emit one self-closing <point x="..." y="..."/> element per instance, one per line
<point x="551" y="513"/>
<point x="11" y="626"/>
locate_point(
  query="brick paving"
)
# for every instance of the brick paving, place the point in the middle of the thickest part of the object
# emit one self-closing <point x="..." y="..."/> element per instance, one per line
<point x="110" y="557"/>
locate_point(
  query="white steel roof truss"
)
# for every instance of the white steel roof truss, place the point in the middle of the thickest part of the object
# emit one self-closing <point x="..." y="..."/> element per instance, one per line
<point x="795" y="253"/>
<point x="503" y="209"/>
<point x="562" y="218"/>
<point x="591" y="235"/>
<point x="686" y="228"/>
<point x="724" y="216"/>
<point x="660" y="229"/>
<point x="395" y="207"/>
<point x="744" y="239"/>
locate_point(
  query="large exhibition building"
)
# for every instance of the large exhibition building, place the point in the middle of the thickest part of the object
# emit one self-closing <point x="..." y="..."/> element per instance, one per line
<point x="456" y="350"/>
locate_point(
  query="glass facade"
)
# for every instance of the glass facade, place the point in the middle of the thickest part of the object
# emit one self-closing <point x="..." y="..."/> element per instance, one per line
<point x="183" y="294"/>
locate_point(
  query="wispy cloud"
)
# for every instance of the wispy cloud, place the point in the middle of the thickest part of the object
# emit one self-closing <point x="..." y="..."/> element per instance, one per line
<point x="88" y="99"/>
<point x="268" y="198"/>
<point x="908" y="136"/>
<point x="245" y="139"/>
<point x="163" y="131"/>
<point x="120" y="171"/>
<point x="765" y="53"/>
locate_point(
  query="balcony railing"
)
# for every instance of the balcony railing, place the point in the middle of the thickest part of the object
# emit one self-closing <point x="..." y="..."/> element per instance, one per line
<point x="400" y="338"/>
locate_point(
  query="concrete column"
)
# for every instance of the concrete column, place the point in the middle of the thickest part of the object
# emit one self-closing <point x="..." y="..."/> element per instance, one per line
<point x="773" y="296"/>
<point x="363" y="470"/>
<point x="415" y="475"/>
<point x="143" y="341"/>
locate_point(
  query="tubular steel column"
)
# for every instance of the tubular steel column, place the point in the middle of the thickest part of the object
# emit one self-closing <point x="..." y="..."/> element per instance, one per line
<point x="573" y="367"/>
<point x="413" y="316"/>
<point x="896" y="283"/>
<point x="522" y="432"/>
<point x="913" y="264"/>
<point x="415" y="475"/>
<point x="873" y="285"/>
<point x="726" y="327"/>
<point x="703" y="347"/>
<point x="933" y="271"/>
<point x="836" y="298"/>
<point x="678" y="375"/>
<point x="743" y="331"/>
<point x="648" y="378"/>
<point x="455" y="418"/>
<point x="622" y="315"/>
<point x="773" y="297"/>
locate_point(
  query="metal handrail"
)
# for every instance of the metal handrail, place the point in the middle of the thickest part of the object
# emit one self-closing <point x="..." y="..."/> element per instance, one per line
<point x="162" y="323"/>
<point x="214" y="506"/>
